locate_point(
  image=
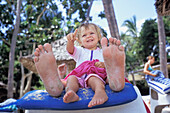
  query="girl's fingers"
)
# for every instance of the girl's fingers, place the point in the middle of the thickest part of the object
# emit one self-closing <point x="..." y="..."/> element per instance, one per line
<point x="72" y="36"/>
<point x="75" y="32"/>
<point x="69" y="36"/>
<point x="97" y="64"/>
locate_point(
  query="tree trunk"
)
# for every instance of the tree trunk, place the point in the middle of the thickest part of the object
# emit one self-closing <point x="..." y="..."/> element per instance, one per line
<point x="162" y="49"/>
<point x="88" y="12"/>
<point x="28" y="85"/>
<point x="24" y="76"/>
<point x="12" y="52"/>
<point x="110" y="15"/>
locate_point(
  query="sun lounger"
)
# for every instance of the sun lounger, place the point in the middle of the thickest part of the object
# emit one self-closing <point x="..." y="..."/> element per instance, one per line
<point x="126" y="101"/>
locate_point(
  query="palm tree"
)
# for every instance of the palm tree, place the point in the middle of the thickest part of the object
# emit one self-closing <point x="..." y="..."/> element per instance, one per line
<point x="131" y="25"/>
<point x="162" y="51"/>
<point x="162" y="10"/>
<point x="110" y="15"/>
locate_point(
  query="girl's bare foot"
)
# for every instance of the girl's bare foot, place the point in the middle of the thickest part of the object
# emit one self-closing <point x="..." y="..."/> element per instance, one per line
<point x="100" y="97"/>
<point x="70" y="96"/>
<point x="45" y="63"/>
<point x="62" y="69"/>
<point x="114" y="59"/>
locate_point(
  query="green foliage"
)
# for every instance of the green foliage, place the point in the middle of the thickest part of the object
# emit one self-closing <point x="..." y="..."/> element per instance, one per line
<point x="148" y="39"/>
<point x="4" y="61"/>
<point x="6" y="20"/>
<point x="41" y="87"/>
<point x="130" y="40"/>
<point x="76" y="7"/>
<point x="34" y="28"/>
<point x="41" y="22"/>
<point x="7" y="15"/>
<point x="131" y="25"/>
<point x="102" y="15"/>
<point x="131" y="58"/>
<point x="166" y="21"/>
<point x="137" y="48"/>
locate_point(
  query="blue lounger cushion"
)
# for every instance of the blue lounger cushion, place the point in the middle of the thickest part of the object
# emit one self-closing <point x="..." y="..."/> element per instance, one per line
<point x="9" y="107"/>
<point x="40" y="99"/>
<point x="159" y="87"/>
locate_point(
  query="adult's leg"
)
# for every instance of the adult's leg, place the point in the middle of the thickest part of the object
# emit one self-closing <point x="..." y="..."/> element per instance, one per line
<point x="98" y="87"/>
<point x="45" y="63"/>
<point x="114" y="59"/>
<point x="72" y="87"/>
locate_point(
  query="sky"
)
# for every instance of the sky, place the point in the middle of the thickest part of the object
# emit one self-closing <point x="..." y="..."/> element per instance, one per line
<point x="125" y="10"/>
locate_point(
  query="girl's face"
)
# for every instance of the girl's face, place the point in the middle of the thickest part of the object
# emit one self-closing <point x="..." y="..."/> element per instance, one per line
<point x="89" y="37"/>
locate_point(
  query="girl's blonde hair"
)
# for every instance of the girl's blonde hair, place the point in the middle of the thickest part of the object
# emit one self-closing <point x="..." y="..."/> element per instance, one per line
<point x="86" y="26"/>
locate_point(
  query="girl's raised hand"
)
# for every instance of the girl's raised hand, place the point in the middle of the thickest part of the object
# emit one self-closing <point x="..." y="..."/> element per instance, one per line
<point x="72" y="36"/>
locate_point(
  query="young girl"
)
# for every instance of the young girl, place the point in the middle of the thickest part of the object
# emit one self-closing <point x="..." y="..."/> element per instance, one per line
<point x="88" y="36"/>
<point x="88" y="57"/>
<point x="90" y="71"/>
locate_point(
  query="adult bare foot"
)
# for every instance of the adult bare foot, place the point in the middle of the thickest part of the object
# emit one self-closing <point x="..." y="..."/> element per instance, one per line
<point x="114" y="59"/>
<point x="46" y="66"/>
<point x="100" y="97"/>
<point x="70" y="96"/>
